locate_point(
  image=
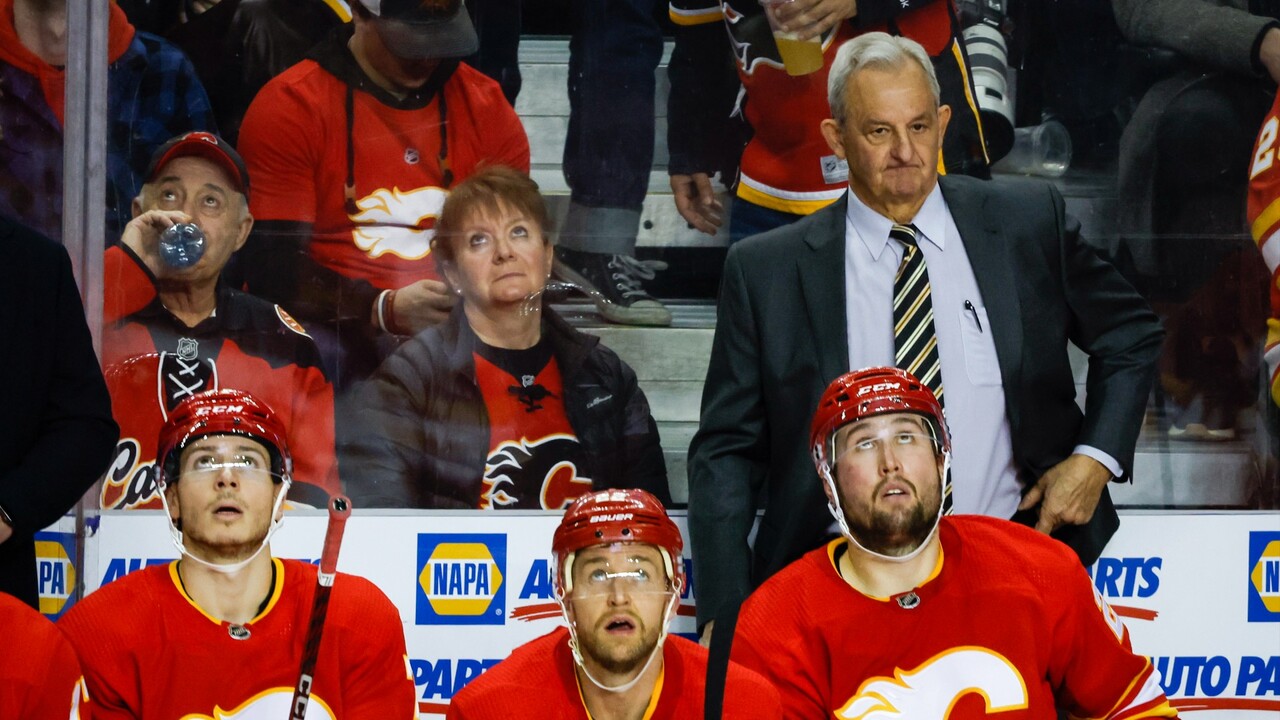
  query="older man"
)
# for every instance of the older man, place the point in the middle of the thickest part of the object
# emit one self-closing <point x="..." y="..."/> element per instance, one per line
<point x="169" y="333"/>
<point x="984" y="283"/>
<point x="353" y="152"/>
<point x="931" y="617"/>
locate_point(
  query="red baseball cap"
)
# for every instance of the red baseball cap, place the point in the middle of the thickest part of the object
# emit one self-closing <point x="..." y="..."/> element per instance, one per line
<point x="205" y="145"/>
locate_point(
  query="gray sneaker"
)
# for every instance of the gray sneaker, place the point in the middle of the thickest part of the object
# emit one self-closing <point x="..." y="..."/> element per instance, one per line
<point x="613" y="282"/>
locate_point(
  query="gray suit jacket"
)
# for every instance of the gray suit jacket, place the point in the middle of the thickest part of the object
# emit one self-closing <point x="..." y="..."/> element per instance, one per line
<point x="781" y="338"/>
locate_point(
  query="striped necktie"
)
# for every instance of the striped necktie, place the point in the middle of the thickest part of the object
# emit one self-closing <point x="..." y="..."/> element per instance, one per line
<point x="914" y="338"/>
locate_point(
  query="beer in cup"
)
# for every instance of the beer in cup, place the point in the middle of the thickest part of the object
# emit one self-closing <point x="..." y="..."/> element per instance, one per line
<point x="799" y="57"/>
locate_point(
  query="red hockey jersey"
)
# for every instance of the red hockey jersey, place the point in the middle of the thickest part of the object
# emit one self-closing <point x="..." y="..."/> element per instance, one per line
<point x="149" y="651"/>
<point x="1264" y="222"/>
<point x="538" y="681"/>
<point x="1009" y="623"/>
<point x="295" y="139"/>
<point x="153" y="361"/>
<point x="39" y="674"/>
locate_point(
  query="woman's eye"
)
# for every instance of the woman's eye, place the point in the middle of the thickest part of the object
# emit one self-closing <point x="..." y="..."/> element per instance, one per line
<point x="520" y="231"/>
<point x="477" y="239"/>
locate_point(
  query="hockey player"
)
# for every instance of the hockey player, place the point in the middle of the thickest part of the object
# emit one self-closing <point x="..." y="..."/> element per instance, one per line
<point x="920" y="616"/>
<point x="169" y="333"/>
<point x="1264" y="223"/>
<point x="618" y="578"/>
<point x="219" y="632"/>
<point x="43" y="681"/>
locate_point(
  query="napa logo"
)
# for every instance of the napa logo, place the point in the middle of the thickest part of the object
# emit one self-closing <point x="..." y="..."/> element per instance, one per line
<point x="1264" y="576"/>
<point x="55" y="571"/>
<point x="460" y="579"/>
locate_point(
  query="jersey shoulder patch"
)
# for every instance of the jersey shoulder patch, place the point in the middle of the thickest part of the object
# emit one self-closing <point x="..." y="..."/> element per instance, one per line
<point x="287" y="320"/>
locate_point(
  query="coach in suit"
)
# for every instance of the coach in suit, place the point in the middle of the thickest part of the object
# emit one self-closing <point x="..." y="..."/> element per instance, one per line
<point x="56" y="432"/>
<point x="1011" y="285"/>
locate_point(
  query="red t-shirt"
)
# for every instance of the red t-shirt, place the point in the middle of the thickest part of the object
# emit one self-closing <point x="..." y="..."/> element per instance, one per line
<point x="538" y="680"/>
<point x="149" y="651"/>
<point x="1009" y="623"/>
<point x="294" y="141"/>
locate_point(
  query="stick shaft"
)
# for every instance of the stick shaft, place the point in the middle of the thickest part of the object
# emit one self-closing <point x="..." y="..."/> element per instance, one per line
<point x="339" y="511"/>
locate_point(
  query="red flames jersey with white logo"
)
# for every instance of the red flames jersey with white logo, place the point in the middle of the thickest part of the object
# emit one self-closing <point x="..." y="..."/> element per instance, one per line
<point x="149" y="651"/>
<point x="250" y="345"/>
<point x="538" y="680"/>
<point x="294" y="141"/>
<point x="1264" y="222"/>
<point x="39" y="673"/>
<point x="534" y="454"/>
<point x="1008" y="625"/>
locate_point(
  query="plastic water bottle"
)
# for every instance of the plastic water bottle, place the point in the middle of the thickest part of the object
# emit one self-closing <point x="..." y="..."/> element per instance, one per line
<point x="182" y="245"/>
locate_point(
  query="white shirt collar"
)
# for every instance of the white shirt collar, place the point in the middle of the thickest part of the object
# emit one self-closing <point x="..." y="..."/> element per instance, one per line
<point x="872" y="228"/>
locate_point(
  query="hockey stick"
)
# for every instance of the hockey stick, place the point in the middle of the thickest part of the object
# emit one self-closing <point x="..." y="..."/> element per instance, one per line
<point x="339" y="511"/>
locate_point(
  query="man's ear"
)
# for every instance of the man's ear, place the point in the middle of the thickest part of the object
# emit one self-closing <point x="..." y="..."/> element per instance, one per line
<point x="831" y="133"/>
<point x="175" y="507"/>
<point x="246" y="225"/>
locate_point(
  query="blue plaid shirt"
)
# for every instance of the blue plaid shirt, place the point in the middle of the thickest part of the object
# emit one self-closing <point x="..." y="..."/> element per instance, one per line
<point x="153" y="94"/>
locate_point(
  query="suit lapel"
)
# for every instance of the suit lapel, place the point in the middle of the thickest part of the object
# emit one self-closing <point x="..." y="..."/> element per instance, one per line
<point x="821" y="273"/>
<point x="992" y="261"/>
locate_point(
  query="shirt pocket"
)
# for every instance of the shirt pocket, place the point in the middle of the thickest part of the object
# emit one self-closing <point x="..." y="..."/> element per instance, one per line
<point x="980" y="361"/>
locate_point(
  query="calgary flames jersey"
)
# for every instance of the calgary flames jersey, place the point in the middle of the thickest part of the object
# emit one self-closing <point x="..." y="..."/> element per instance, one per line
<point x="1264" y="223"/>
<point x="153" y="362"/>
<point x="534" y="455"/>
<point x="538" y="680"/>
<point x="787" y="165"/>
<point x="41" y="681"/>
<point x="295" y="140"/>
<point x="149" y="651"/>
<point x="1008" y="625"/>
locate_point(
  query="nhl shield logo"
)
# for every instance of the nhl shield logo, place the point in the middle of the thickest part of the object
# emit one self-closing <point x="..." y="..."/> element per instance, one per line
<point x="188" y="348"/>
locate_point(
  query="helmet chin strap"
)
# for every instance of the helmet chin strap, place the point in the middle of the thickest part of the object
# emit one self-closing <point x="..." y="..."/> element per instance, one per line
<point x="834" y="507"/>
<point x="175" y="535"/>
<point x="657" y="648"/>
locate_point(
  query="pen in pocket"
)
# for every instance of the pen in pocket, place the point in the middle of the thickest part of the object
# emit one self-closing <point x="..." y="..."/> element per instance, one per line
<point x="969" y="306"/>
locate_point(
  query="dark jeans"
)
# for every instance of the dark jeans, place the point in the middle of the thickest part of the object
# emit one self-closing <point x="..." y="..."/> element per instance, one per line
<point x="613" y="54"/>
<point x="747" y="219"/>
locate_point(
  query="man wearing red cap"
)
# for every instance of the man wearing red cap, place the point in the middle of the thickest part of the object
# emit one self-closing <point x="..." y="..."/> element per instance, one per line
<point x="219" y="632"/>
<point x="618" y="578"/>
<point x="171" y="332"/>
<point x="353" y="152"/>
<point x="912" y="614"/>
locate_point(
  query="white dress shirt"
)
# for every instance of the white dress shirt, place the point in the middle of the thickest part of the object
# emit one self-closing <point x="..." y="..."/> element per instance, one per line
<point x="983" y="474"/>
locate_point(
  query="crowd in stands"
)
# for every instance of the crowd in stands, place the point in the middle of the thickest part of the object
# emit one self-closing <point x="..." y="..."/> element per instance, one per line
<point x="376" y="267"/>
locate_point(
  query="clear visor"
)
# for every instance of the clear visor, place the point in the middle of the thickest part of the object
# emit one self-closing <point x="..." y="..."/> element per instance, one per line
<point x="871" y="444"/>
<point x="629" y="575"/>
<point x="241" y="468"/>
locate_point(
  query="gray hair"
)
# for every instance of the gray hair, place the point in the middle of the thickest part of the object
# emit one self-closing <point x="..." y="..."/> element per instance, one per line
<point x="875" y="50"/>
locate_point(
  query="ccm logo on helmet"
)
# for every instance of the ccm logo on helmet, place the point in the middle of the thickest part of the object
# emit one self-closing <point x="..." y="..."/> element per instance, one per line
<point x="878" y="387"/>
<point x="219" y="409"/>
<point x="612" y="517"/>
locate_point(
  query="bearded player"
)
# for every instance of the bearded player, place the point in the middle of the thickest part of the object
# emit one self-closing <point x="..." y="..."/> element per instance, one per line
<point x="915" y="615"/>
<point x="219" y="632"/>
<point x="618" y="578"/>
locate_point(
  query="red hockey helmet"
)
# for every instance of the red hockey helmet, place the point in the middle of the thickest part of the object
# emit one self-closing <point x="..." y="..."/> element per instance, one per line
<point x="616" y="516"/>
<point x="866" y="393"/>
<point x="222" y="412"/>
